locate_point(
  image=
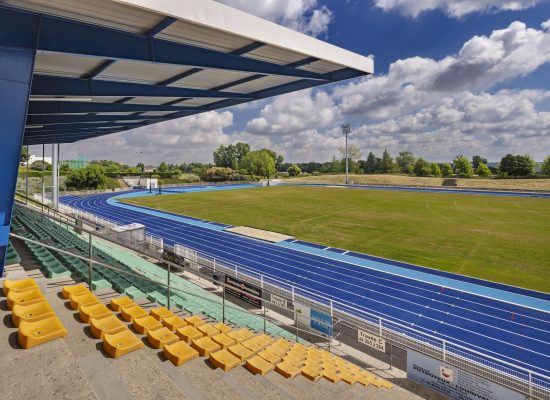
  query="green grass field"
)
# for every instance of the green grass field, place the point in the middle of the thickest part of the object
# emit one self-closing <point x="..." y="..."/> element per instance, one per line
<point x="503" y="239"/>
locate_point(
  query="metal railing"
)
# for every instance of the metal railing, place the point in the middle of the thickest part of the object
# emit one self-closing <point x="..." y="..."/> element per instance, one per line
<point x="171" y="287"/>
<point x="518" y="378"/>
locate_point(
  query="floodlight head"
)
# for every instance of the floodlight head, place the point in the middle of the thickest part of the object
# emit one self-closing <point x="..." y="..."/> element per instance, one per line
<point x="346" y="129"/>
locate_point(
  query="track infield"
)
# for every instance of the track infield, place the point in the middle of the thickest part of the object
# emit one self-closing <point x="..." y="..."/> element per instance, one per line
<point x="502" y="239"/>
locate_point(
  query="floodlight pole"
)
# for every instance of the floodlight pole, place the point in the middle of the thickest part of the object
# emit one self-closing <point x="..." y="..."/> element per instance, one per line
<point x="346" y="130"/>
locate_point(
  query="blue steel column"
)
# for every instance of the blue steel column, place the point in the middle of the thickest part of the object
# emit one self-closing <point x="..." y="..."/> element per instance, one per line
<point x="16" y="66"/>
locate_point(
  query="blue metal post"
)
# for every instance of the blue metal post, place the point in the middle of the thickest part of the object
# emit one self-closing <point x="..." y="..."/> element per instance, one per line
<point x="16" y="66"/>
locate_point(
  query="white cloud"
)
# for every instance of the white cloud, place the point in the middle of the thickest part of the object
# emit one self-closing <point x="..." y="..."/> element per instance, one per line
<point x="303" y="15"/>
<point x="295" y="112"/>
<point x="454" y="8"/>
<point x="482" y="62"/>
<point x="187" y="139"/>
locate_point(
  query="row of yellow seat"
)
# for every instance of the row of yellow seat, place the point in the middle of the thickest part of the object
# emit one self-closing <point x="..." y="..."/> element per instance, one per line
<point x="35" y="319"/>
<point x="183" y="339"/>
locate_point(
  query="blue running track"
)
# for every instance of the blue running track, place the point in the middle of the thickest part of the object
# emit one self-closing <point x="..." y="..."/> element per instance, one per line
<point x="497" y="325"/>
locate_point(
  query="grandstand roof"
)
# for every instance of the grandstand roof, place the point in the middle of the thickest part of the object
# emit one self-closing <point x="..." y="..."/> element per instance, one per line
<point x="106" y="66"/>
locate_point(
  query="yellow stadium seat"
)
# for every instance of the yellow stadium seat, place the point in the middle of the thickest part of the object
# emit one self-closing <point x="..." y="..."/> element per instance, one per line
<point x="119" y="302"/>
<point x="34" y="333"/>
<point x="82" y="299"/>
<point x="160" y="313"/>
<point x="128" y="313"/>
<point x="188" y="333"/>
<point x="161" y="337"/>
<point x="145" y="323"/>
<point x="277" y="350"/>
<point x="264" y="339"/>
<point x="207" y="330"/>
<point x="205" y="345"/>
<point x="179" y="353"/>
<point x="223" y="340"/>
<point x="31" y="312"/>
<point x="223" y="328"/>
<point x="269" y="356"/>
<point x="287" y="370"/>
<point x="258" y="365"/>
<point x="19" y="285"/>
<point x="348" y="377"/>
<point x="311" y="373"/>
<point x="240" y="335"/>
<point x="297" y="354"/>
<point x="239" y="351"/>
<point x="94" y="311"/>
<point x="331" y="375"/>
<point x="283" y="344"/>
<point x="74" y="289"/>
<point x="253" y="344"/>
<point x="195" y="321"/>
<point x="297" y="362"/>
<point x="174" y="322"/>
<point x="121" y="343"/>
<point x="27" y="297"/>
<point x="108" y="325"/>
<point x="224" y="359"/>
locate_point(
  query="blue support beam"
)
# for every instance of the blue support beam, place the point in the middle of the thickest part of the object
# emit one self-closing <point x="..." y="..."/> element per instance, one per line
<point x="165" y="23"/>
<point x="16" y="67"/>
<point x="72" y="107"/>
<point x="80" y="38"/>
<point x="45" y="85"/>
<point x="92" y="74"/>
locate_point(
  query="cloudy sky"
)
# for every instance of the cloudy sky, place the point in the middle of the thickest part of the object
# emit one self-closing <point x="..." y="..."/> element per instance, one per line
<point x="452" y="77"/>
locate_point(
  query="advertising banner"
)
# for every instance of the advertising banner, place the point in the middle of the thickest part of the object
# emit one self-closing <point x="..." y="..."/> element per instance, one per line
<point x="370" y="340"/>
<point x="279" y="301"/>
<point x="453" y="382"/>
<point x="321" y="322"/>
<point x="245" y="287"/>
<point x="311" y="319"/>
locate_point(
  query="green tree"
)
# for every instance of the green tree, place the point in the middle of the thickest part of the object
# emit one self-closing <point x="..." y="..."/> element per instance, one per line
<point x="435" y="170"/>
<point x="24" y="154"/>
<point x="483" y="170"/>
<point x="162" y="168"/>
<point x="518" y="165"/>
<point x="294" y="170"/>
<point x="447" y="170"/>
<point x="476" y="160"/>
<point x="140" y="167"/>
<point x="422" y="167"/>
<point x="405" y="160"/>
<point x="259" y="163"/>
<point x="335" y="165"/>
<point x="91" y="177"/>
<point x="241" y="149"/>
<point x="219" y="174"/>
<point x="370" y="164"/>
<point x="386" y="164"/>
<point x="545" y="167"/>
<point x="462" y="166"/>
<point x="40" y="166"/>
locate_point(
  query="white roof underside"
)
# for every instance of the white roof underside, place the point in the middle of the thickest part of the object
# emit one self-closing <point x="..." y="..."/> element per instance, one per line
<point x="201" y="23"/>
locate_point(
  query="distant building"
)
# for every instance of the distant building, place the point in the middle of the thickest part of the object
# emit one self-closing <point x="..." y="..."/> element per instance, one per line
<point x="149" y="168"/>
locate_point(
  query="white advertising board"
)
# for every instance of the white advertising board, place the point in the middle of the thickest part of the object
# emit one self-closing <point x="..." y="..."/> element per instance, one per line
<point x="279" y="301"/>
<point x="453" y="382"/>
<point x="370" y="340"/>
